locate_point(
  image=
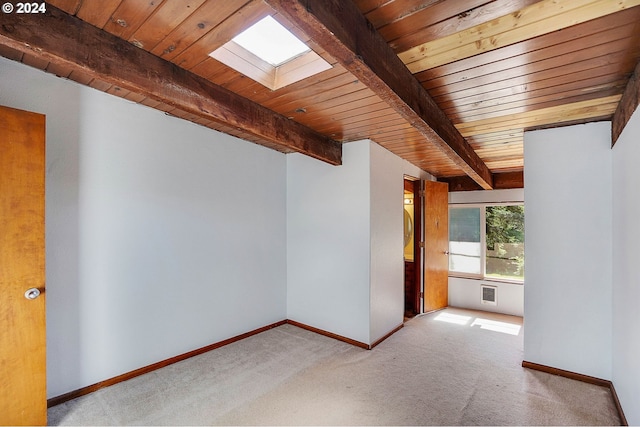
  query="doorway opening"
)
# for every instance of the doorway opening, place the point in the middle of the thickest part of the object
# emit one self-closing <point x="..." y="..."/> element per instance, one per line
<point x="412" y="251"/>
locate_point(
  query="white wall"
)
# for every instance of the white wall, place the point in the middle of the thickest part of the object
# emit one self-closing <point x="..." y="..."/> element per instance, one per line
<point x="162" y="236"/>
<point x="387" y="239"/>
<point x="466" y="293"/>
<point x="345" y="241"/>
<point x="568" y="246"/>
<point x="328" y="255"/>
<point x="626" y="269"/>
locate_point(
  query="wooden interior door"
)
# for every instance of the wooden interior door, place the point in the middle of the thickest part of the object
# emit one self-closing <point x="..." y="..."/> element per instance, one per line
<point x="436" y="245"/>
<point x="23" y="398"/>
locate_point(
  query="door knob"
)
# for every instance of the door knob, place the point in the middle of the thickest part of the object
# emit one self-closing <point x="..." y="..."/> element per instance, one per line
<point x="32" y="293"/>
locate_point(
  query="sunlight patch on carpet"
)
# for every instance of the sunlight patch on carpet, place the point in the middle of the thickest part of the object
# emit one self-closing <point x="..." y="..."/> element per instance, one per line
<point x="493" y="325"/>
<point x="487" y="324"/>
<point x="452" y="318"/>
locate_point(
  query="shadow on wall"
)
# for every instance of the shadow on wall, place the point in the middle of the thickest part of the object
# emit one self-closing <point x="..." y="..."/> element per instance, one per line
<point x="63" y="205"/>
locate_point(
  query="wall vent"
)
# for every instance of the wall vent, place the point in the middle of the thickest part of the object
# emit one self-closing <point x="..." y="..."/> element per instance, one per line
<point x="489" y="295"/>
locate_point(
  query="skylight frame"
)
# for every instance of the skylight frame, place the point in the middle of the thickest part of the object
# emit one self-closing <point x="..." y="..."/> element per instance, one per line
<point x="292" y="70"/>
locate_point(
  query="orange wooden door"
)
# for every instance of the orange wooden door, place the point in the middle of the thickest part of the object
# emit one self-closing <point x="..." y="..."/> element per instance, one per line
<point x="436" y="245"/>
<point x="23" y="398"/>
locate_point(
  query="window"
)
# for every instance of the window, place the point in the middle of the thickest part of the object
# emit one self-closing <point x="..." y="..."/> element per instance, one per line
<point x="487" y="241"/>
<point x="465" y="242"/>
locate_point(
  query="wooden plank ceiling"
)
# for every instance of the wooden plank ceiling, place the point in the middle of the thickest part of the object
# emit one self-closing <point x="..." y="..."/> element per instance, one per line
<point x="449" y="85"/>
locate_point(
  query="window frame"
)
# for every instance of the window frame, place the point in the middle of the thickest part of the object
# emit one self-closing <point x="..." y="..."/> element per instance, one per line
<point x="483" y="241"/>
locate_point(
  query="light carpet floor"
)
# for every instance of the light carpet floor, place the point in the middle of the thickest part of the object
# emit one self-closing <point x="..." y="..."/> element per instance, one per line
<point x="453" y="367"/>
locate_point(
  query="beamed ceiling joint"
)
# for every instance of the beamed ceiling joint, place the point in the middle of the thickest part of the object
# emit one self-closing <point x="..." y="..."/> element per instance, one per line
<point x="62" y="39"/>
<point x="341" y="29"/>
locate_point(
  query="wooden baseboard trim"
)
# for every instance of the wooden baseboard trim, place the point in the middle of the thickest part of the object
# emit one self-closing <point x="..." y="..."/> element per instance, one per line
<point x="566" y="374"/>
<point x="580" y="377"/>
<point x="623" y="419"/>
<point x="386" y="336"/>
<point x="330" y="334"/>
<point x="144" y="370"/>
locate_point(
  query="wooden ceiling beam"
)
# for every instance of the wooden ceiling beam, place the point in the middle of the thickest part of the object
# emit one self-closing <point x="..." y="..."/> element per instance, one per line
<point x="501" y="181"/>
<point x="628" y="104"/>
<point x="66" y="41"/>
<point x="341" y="30"/>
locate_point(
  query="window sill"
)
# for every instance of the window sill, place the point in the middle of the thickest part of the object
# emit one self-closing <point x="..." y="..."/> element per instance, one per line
<point x="488" y="279"/>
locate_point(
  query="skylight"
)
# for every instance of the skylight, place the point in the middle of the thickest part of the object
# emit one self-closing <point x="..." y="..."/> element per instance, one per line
<point x="269" y="54"/>
<point x="271" y="42"/>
